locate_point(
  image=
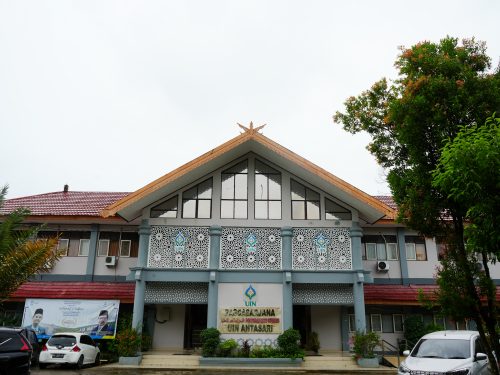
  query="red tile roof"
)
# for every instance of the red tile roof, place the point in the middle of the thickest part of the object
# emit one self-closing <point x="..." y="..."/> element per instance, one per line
<point x="386" y="199"/>
<point x="76" y="290"/>
<point x="71" y="203"/>
<point x="84" y="203"/>
<point x="379" y="294"/>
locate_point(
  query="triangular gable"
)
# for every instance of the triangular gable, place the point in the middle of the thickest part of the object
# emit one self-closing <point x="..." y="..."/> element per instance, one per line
<point x="130" y="207"/>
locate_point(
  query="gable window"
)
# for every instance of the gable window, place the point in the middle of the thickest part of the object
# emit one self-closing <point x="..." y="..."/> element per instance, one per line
<point x="415" y="248"/>
<point x="103" y="248"/>
<point x="334" y="211"/>
<point x="84" y="248"/>
<point x="380" y="247"/>
<point x="165" y="209"/>
<point x="234" y="194"/>
<point x="125" y="246"/>
<point x="267" y="192"/>
<point x="63" y="246"/>
<point x="197" y="201"/>
<point x="305" y="202"/>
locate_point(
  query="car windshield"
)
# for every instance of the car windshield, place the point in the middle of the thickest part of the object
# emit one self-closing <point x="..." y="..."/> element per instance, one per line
<point x="62" y="340"/>
<point x="442" y="348"/>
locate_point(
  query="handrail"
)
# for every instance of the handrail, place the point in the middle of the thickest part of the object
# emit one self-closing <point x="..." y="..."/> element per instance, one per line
<point x="391" y="346"/>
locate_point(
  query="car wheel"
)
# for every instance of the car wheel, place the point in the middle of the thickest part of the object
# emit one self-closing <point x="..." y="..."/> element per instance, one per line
<point x="79" y="364"/>
<point x="97" y="361"/>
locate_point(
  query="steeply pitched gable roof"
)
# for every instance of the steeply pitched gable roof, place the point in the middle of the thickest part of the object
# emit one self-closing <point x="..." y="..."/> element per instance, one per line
<point x="130" y="207"/>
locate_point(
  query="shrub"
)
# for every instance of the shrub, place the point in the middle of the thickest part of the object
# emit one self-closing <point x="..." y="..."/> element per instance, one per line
<point x="313" y="342"/>
<point x="227" y="348"/>
<point x="128" y="342"/>
<point x="289" y="344"/>
<point x="365" y="343"/>
<point x="210" y="340"/>
<point x="265" y="351"/>
<point x="414" y="329"/>
<point x="244" y="350"/>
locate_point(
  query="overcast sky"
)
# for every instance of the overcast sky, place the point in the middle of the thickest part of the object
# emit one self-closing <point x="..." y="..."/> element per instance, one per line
<point x="110" y="95"/>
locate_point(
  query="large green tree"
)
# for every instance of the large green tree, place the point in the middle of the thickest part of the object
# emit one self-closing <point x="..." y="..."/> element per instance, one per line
<point x="22" y="254"/>
<point x="440" y="88"/>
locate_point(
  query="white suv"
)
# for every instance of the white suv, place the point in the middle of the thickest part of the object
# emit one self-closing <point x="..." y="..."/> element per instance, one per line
<point x="450" y="352"/>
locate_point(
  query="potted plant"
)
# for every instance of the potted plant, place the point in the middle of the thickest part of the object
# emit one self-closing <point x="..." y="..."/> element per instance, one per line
<point x="364" y="344"/>
<point x="128" y="345"/>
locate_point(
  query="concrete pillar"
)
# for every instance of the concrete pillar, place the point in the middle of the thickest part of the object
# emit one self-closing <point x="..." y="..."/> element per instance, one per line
<point x="140" y="284"/>
<point x="357" y="287"/>
<point x="286" y="258"/>
<point x="94" y="240"/>
<point x="213" y="283"/>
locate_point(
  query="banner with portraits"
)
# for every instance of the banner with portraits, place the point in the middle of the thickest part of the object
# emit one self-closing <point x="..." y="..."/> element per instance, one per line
<point x="98" y="318"/>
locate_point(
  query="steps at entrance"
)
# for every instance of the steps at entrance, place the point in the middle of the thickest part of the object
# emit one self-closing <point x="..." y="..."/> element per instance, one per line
<point x="169" y="360"/>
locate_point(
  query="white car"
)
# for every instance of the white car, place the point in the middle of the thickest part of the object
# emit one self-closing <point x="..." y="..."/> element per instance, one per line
<point x="450" y="352"/>
<point x="70" y="348"/>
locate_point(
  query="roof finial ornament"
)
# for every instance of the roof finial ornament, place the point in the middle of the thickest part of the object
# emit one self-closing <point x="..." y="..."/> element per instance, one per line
<point x="251" y="129"/>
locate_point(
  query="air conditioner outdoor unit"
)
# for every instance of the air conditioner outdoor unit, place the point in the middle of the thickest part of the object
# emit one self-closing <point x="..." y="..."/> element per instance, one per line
<point x="382" y="266"/>
<point x="110" y="261"/>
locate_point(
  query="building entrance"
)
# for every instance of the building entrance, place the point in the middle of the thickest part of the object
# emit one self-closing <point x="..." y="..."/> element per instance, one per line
<point x="302" y="322"/>
<point x="195" y="322"/>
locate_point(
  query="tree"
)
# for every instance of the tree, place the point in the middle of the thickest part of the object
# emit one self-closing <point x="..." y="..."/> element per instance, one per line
<point x="441" y="87"/>
<point x="22" y="254"/>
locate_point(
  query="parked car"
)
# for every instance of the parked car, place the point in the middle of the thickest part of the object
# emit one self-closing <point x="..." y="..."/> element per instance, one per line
<point x="31" y="336"/>
<point x="451" y="352"/>
<point x="70" y="348"/>
<point x="15" y="352"/>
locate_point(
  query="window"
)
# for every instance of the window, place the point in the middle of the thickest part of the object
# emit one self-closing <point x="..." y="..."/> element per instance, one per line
<point x="197" y="201"/>
<point x="305" y="202"/>
<point x="125" y="246"/>
<point x="380" y="247"/>
<point x="415" y="248"/>
<point x="234" y="195"/>
<point x="267" y="192"/>
<point x="165" y="209"/>
<point x="334" y="211"/>
<point x="83" y="250"/>
<point x="103" y="248"/>
<point x="63" y="246"/>
<point x="352" y="323"/>
<point x="376" y="322"/>
<point x="387" y="323"/>
<point x="398" y="322"/>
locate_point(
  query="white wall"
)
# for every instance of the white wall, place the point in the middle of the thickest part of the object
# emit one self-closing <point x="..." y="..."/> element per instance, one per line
<point x="70" y="266"/>
<point x="122" y="267"/>
<point x="170" y="335"/>
<point x="325" y="321"/>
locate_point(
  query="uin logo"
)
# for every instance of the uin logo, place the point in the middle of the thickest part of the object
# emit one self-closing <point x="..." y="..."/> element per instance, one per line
<point x="250" y="294"/>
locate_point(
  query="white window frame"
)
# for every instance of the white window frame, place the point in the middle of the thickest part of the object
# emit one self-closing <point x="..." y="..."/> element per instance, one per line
<point x="411" y="246"/>
<point x="388" y="245"/>
<point x="80" y="247"/>
<point x="394" y="323"/>
<point x="352" y="323"/>
<point x="379" y="316"/>
<point x="129" y="248"/>
<point x="374" y="250"/>
<point x="60" y="247"/>
<point x="103" y="241"/>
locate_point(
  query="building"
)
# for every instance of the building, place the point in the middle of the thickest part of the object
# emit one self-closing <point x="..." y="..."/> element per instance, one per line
<point x="250" y="238"/>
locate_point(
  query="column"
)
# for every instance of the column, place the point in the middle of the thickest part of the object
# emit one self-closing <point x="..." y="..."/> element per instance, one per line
<point x="402" y="256"/>
<point x="94" y="239"/>
<point x="140" y="284"/>
<point x="359" y="278"/>
<point x="213" y="283"/>
<point x="286" y="258"/>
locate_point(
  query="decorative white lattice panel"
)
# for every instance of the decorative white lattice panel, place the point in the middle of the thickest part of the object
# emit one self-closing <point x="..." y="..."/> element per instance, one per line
<point x="178" y="247"/>
<point x="321" y="249"/>
<point x="322" y="294"/>
<point x="250" y="248"/>
<point x="176" y="292"/>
